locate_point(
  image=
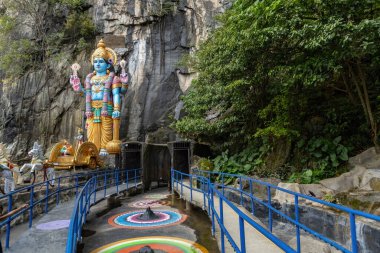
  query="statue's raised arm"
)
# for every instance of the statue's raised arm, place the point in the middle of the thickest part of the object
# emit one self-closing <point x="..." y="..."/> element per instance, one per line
<point x="102" y="89"/>
<point x="74" y="79"/>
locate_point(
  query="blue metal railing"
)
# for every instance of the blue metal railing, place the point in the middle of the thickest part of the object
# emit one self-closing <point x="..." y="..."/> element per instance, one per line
<point x="41" y="193"/>
<point x="88" y="196"/>
<point x="211" y="189"/>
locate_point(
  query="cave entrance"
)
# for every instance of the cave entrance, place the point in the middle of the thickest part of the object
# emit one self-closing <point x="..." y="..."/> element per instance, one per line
<point x="131" y="155"/>
<point x="181" y="156"/>
<point x="156" y="165"/>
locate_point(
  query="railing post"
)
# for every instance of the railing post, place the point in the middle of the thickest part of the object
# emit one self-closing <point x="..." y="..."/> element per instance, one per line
<point x="222" y="224"/>
<point x="177" y="180"/>
<point x="242" y="234"/>
<point x="269" y="208"/>
<point x="251" y="195"/>
<point x="297" y="225"/>
<point x="75" y="234"/>
<point x="204" y="194"/>
<point x="241" y="191"/>
<point x="212" y="212"/>
<point x="81" y="218"/>
<point x="191" y="188"/>
<point x="31" y="203"/>
<point x="47" y="197"/>
<point x="8" y="233"/>
<point x="58" y="190"/>
<point x="354" y="245"/>
<point x="95" y="187"/>
<point x="181" y="185"/>
<point x="223" y="184"/>
<point x="76" y="186"/>
<point x="88" y="196"/>
<point x="105" y="184"/>
<point x="172" y="179"/>
<point x="117" y="181"/>
<point x="209" y="197"/>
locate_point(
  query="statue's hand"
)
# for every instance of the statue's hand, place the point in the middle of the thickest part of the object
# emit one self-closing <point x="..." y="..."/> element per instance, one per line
<point x="124" y="78"/>
<point x="75" y="82"/>
<point x="116" y="114"/>
<point x="104" y="113"/>
<point x="89" y="114"/>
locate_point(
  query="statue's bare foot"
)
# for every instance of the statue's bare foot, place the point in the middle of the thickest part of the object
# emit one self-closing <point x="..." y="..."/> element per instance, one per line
<point x="103" y="152"/>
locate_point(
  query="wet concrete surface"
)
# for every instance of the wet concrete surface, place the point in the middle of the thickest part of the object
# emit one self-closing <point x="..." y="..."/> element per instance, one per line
<point x="52" y="241"/>
<point x="97" y="232"/>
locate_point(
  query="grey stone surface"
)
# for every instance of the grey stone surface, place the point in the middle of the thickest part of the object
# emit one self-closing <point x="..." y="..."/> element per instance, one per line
<point x="40" y="106"/>
<point x="317" y="189"/>
<point x="371" y="180"/>
<point x="283" y="196"/>
<point x="367" y="158"/>
<point x="345" y="182"/>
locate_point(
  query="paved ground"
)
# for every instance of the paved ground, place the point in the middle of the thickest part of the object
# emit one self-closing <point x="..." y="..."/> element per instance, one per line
<point x="255" y="241"/>
<point x="196" y="228"/>
<point x="52" y="241"/>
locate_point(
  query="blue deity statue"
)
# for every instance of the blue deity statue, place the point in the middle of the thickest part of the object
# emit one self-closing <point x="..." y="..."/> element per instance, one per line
<point x="102" y="92"/>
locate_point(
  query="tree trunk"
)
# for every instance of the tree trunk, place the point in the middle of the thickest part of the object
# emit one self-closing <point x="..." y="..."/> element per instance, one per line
<point x="361" y="86"/>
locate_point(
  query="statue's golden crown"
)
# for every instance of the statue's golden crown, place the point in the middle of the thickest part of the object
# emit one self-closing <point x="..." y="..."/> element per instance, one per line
<point x="104" y="52"/>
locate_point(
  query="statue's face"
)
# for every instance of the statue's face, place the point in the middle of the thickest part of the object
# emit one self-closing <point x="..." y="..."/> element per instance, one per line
<point x="100" y="65"/>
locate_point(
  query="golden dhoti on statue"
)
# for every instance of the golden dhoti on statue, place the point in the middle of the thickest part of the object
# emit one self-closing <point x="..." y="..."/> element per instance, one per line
<point x="99" y="128"/>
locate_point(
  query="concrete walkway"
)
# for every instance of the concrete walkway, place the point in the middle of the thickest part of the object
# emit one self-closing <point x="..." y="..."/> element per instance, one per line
<point x="255" y="241"/>
<point x="54" y="241"/>
<point x="98" y="232"/>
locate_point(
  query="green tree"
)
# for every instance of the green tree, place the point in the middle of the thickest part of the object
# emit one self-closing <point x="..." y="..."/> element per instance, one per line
<point x="287" y="69"/>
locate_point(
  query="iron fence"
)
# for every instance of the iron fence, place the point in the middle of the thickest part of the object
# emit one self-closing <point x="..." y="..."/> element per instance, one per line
<point x="212" y="185"/>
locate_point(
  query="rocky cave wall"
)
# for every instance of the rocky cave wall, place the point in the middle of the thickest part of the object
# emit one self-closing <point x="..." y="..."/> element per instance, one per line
<point x="152" y="36"/>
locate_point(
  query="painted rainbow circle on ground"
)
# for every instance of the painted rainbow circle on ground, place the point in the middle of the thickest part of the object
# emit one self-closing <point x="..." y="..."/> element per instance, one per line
<point x="130" y="220"/>
<point x="162" y="244"/>
<point x="156" y="196"/>
<point x="148" y="203"/>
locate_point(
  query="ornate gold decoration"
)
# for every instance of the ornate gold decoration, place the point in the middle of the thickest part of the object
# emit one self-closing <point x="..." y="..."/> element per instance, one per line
<point x="104" y="52"/>
<point x="116" y="85"/>
<point x="97" y="104"/>
<point x="97" y="88"/>
<point x="114" y="146"/>
<point x="86" y="155"/>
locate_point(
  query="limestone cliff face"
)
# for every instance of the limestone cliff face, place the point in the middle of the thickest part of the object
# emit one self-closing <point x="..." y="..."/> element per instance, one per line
<point x="41" y="106"/>
<point x="151" y="36"/>
<point x="156" y="35"/>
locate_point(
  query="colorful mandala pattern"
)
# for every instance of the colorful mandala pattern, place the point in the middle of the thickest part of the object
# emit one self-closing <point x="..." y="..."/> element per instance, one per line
<point x="148" y="203"/>
<point x="157" y="243"/>
<point x="54" y="225"/>
<point x="130" y="220"/>
<point x="156" y="196"/>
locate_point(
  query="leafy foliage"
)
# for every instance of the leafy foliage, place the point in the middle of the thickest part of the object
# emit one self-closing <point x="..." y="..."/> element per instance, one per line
<point x="206" y="164"/>
<point x="16" y="55"/>
<point x="28" y="38"/>
<point x="243" y="162"/>
<point x="79" y="25"/>
<point x="302" y="70"/>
